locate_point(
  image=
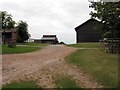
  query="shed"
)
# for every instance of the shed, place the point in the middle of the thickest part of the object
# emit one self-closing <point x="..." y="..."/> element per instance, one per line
<point x="88" y="31"/>
<point x="9" y="35"/>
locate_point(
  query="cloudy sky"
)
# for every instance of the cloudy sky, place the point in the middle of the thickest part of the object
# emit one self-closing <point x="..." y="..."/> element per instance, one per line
<point x="58" y="17"/>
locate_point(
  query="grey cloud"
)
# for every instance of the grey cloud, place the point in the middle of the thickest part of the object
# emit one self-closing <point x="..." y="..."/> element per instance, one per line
<point x="10" y="5"/>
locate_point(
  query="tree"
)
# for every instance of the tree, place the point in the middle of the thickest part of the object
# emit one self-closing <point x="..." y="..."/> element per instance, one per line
<point x="109" y="15"/>
<point x="22" y="30"/>
<point x="6" y="20"/>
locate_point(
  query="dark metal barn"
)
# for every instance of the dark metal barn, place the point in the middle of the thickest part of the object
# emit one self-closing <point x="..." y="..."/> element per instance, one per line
<point x="88" y="31"/>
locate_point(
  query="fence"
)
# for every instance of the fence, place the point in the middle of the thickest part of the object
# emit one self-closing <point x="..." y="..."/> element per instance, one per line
<point x="111" y="45"/>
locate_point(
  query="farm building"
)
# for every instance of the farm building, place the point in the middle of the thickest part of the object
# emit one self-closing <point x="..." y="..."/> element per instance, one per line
<point x="30" y="40"/>
<point x="49" y="39"/>
<point x="88" y="31"/>
<point x="37" y="40"/>
<point x="9" y="36"/>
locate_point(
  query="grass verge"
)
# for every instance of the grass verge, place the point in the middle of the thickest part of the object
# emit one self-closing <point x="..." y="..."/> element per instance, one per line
<point x="33" y="44"/>
<point x="20" y="49"/>
<point x="102" y="66"/>
<point x="86" y="45"/>
<point x="22" y="84"/>
<point x="65" y="82"/>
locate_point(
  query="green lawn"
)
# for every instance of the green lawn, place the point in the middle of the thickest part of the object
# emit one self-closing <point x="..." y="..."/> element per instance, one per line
<point x="33" y="44"/>
<point x="102" y="66"/>
<point x="65" y="82"/>
<point x="22" y="84"/>
<point x="86" y="45"/>
<point x="20" y="49"/>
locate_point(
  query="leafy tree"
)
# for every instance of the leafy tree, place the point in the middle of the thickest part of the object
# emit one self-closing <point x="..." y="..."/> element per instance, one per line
<point x="6" y="20"/>
<point x="22" y="30"/>
<point x="8" y="23"/>
<point x="109" y="15"/>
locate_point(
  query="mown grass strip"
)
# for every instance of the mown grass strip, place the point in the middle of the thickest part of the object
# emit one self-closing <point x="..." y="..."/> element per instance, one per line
<point x="86" y="45"/>
<point x="102" y="66"/>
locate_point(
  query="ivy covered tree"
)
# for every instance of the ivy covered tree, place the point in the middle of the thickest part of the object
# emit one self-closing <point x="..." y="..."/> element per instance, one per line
<point x="22" y="30"/>
<point x="109" y="15"/>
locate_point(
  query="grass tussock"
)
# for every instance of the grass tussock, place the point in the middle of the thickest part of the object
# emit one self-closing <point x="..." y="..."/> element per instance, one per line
<point x="65" y="82"/>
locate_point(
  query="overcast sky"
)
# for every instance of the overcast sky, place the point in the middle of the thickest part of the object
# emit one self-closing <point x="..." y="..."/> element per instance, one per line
<point x="58" y="17"/>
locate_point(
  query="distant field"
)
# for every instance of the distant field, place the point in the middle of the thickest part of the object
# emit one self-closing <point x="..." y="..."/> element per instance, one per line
<point x="102" y="66"/>
<point x="86" y="45"/>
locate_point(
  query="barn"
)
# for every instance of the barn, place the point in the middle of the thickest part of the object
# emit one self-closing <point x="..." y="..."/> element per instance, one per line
<point x="37" y="40"/>
<point x="88" y="31"/>
<point x="49" y="39"/>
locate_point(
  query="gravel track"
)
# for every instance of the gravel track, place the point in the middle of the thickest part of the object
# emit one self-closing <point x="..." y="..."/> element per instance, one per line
<point x="43" y="66"/>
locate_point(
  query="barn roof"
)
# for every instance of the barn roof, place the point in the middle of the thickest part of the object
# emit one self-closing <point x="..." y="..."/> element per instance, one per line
<point x="90" y="20"/>
<point x="48" y="38"/>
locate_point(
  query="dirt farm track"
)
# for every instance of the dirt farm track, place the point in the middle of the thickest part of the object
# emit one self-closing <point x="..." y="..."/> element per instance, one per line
<point x="43" y="66"/>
